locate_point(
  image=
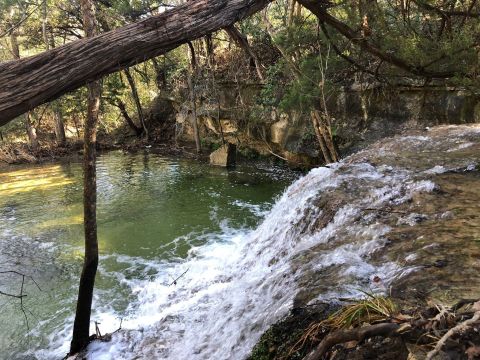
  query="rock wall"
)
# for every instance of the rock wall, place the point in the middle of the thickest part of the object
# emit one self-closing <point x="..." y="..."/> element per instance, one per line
<point x="361" y="114"/>
<point x="366" y="115"/>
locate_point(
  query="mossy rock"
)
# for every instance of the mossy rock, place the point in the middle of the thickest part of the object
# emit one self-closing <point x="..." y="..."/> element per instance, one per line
<point x="277" y="341"/>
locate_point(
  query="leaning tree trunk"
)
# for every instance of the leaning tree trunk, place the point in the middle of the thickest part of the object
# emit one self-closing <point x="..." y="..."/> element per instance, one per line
<point x="136" y="98"/>
<point x="324" y="136"/>
<point x="29" y="82"/>
<point x="123" y="110"/>
<point x="81" y="325"/>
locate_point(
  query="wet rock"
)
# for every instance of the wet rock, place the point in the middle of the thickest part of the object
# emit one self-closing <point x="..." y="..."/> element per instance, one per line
<point x="224" y="156"/>
<point x="440" y="263"/>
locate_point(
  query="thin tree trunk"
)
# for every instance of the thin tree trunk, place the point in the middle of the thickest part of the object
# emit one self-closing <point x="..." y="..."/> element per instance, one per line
<point x="75" y="121"/>
<point x="299" y="11"/>
<point x="160" y="77"/>
<point x="57" y="110"/>
<point x="14" y="45"/>
<point x="315" y="116"/>
<point x="31" y="131"/>
<point x="128" y="119"/>
<point x="59" y="125"/>
<point x="193" y="98"/>
<point x="210" y="51"/>
<point x="81" y="325"/>
<point x="44" y="24"/>
<point x="27" y="83"/>
<point x="291" y="13"/>
<point x="325" y="135"/>
<point x="136" y="99"/>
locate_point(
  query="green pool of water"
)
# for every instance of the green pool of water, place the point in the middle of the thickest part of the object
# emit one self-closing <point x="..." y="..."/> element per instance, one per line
<point x="150" y="208"/>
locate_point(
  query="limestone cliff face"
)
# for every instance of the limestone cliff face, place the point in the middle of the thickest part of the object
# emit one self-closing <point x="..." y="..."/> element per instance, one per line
<point x="362" y="115"/>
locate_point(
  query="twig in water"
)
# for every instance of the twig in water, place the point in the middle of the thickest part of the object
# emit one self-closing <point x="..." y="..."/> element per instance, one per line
<point x="21" y="295"/>
<point x="174" y="282"/>
<point x="119" y="327"/>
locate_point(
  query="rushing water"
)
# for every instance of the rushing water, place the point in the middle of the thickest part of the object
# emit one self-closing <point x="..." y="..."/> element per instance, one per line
<point x="153" y="213"/>
<point x="405" y="211"/>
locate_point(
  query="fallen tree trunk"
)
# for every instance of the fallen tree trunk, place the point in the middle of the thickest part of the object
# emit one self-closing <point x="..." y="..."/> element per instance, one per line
<point x="31" y="81"/>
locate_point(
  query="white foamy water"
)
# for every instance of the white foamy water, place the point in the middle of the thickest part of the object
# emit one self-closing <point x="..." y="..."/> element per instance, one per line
<point x="242" y="281"/>
<point x="318" y="242"/>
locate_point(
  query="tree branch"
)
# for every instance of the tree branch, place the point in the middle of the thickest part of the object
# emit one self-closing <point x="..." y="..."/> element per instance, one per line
<point x="31" y="81"/>
<point x="319" y="10"/>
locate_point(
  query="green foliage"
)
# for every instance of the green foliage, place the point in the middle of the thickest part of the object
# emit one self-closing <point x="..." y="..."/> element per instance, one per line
<point x="271" y="92"/>
<point x="304" y="67"/>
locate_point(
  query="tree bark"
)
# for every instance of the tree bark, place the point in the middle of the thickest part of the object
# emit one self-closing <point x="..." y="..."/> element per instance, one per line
<point x="29" y="82"/>
<point x="136" y="99"/>
<point x="193" y="98"/>
<point x="81" y="325"/>
<point x="128" y="119"/>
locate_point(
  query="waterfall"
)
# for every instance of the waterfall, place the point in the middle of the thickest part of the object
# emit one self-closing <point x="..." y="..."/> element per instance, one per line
<point x="325" y="238"/>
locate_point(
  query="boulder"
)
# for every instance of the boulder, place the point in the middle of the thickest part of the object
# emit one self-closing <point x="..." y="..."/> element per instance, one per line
<point x="224" y="156"/>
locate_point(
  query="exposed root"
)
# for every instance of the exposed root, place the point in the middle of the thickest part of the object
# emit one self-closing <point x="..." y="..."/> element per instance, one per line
<point x="463" y="326"/>
<point x="379" y="317"/>
<point x="357" y="334"/>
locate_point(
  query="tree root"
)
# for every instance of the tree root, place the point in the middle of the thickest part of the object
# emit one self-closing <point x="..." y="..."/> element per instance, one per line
<point x="457" y="329"/>
<point x="411" y="328"/>
<point x="357" y="334"/>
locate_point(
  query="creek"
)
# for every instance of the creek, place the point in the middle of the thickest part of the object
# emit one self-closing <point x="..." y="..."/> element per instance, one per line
<point x="401" y="217"/>
<point x="155" y="216"/>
